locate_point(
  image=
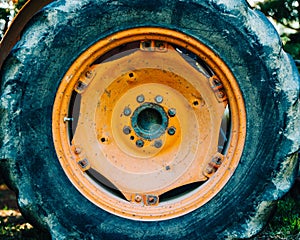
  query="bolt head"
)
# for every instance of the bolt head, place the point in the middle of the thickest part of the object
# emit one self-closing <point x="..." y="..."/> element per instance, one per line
<point x="221" y="94"/>
<point x="159" y="99"/>
<point x="127" y="111"/>
<point x="77" y="150"/>
<point x="152" y="200"/>
<point x="126" y="130"/>
<point x="158" y="144"/>
<point x="89" y="74"/>
<point x="172" y="112"/>
<point x="171" y="131"/>
<point x="140" y="98"/>
<point x="83" y="163"/>
<point x="138" y="198"/>
<point x="209" y="170"/>
<point x="139" y="143"/>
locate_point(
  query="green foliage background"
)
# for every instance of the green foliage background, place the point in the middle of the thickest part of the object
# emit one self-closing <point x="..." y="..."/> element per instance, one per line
<point x="285" y="12"/>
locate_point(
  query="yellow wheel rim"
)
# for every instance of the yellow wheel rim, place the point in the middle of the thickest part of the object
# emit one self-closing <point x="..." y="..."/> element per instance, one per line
<point x="149" y="124"/>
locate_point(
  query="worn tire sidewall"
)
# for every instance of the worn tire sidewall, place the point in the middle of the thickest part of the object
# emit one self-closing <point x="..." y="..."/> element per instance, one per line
<point x="62" y="31"/>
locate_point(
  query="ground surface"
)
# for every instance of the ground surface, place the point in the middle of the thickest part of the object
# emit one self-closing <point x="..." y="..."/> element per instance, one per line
<point x="284" y="225"/>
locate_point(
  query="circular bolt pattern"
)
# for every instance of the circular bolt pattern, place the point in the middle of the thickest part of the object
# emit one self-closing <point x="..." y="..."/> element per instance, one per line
<point x="127" y="111"/>
<point x="171" y="131"/>
<point x="172" y="112"/>
<point x="140" y="99"/>
<point x="139" y="143"/>
<point x="159" y="99"/>
<point x="126" y="130"/>
<point x="158" y="144"/>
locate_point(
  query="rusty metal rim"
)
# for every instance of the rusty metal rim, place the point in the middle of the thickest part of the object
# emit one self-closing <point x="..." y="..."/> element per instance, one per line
<point x="106" y="200"/>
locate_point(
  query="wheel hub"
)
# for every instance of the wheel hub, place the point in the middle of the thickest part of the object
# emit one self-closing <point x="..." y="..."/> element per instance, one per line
<point x="149" y="121"/>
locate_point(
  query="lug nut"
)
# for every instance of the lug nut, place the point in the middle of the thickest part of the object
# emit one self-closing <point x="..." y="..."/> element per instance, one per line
<point x="159" y="99"/>
<point x="172" y="112"/>
<point x="139" y="143"/>
<point x="126" y="130"/>
<point x="140" y="99"/>
<point x="171" y="131"/>
<point x="158" y="144"/>
<point x="127" y="111"/>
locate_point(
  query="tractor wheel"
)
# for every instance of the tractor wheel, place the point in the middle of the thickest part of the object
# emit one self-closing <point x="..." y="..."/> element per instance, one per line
<point x="149" y="120"/>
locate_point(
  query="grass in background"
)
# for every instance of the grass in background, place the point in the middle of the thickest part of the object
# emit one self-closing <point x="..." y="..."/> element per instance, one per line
<point x="286" y="222"/>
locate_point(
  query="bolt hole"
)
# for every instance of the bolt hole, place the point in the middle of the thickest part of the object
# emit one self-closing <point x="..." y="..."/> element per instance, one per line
<point x="132" y="138"/>
<point x="147" y="44"/>
<point x="196" y="103"/>
<point x="149" y="120"/>
<point x="131" y="75"/>
<point x="103" y="140"/>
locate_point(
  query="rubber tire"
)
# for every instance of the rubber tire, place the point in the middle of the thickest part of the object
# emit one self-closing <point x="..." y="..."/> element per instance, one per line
<point x="242" y="37"/>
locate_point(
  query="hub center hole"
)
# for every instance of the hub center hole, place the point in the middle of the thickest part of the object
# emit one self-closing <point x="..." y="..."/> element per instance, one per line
<point x="149" y="120"/>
